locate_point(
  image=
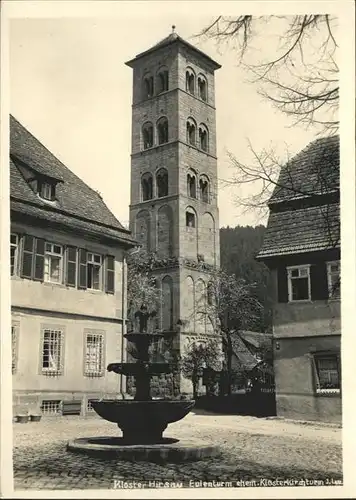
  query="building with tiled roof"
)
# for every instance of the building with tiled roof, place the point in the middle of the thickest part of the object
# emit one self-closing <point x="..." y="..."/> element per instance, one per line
<point x="67" y="282"/>
<point x="301" y="247"/>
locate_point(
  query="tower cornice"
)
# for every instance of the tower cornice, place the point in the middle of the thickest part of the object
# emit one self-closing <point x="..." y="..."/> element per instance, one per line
<point x="174" y="39"/>
<point x="177" y="89"/>
<point x="170" y="143"/>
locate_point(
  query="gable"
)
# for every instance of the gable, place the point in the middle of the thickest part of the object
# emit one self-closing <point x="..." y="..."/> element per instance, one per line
<point x="73" y="197"/>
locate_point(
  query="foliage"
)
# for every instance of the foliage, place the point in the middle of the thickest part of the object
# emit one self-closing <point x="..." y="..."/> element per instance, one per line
<point x="197" y="357"/>
<point x="231" y="306"/>
<point x="238" y="248"/>
<point x="141" y="285"/>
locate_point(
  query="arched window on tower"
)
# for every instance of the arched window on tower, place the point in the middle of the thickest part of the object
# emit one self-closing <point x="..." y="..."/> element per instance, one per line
<point x="191" y="132"/>
<point x="190" y="81"/>
<point x="190" y="218"/>
<point x="202" y="88"/>
<point x="210" y="294"/>
<point x="162" y="183"/>
<point x="203" y="137"/>
<point x="148" y="86"/>
<point x="147" y="135"/>
<point x="162" y="80"/>
<point x="191" y="185"/>
<point x="162" y="130"/>
<point x="147" y="187"/>
<point x="204" y="189"/>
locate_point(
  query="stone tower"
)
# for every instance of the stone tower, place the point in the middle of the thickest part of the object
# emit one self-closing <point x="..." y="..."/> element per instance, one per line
<point x="173" y="210"/>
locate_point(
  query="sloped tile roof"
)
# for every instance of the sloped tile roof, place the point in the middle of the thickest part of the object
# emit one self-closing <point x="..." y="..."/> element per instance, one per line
<point x="256" y="338"/>
<point x="302" y="230"/>
<point x="168" y="40"/>
<point x="247" y="360"/>
<point x="315" y="170"/>
<point x="76" y="202"/>
<point x="304" y="212"/>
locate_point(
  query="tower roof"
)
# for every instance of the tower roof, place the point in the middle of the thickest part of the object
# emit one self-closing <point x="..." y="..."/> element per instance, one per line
<point x="173" y="38"/>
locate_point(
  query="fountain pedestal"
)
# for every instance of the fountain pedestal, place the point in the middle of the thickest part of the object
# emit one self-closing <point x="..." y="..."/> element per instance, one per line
<point x="142" y="420"/>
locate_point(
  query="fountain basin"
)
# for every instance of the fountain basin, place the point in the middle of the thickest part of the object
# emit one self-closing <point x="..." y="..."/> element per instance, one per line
<point x="167" y="450"/>
<point x="142" y="422"/>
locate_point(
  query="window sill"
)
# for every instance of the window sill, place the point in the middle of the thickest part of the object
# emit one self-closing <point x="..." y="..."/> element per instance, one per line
<point x="51" y="374"/>
<point x="328" y="392"/>
<point x="54" y="284"/>
<point x="304" y="301"/>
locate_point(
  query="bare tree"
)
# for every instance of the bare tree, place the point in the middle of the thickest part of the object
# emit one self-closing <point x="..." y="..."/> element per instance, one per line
<point x="197" y="357"/>
<point x="273" y="180"/>
<point x="293" y="58"/>
<point x="230" y="306"/>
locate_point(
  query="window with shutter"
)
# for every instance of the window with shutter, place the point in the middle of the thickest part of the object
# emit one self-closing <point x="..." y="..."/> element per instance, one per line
<point x="71" y="268"/>
<point x="53" y="263"/>
<point x="299" y="283"/>
<point x="14" y="251"/>
<point x="39" y="259"/>
<point x="27" y="256"/>
<point x="327" y="371"/>
<point x="333" y="277"/>
<point x="110" y="274"/>
<point x="82" y="271"/>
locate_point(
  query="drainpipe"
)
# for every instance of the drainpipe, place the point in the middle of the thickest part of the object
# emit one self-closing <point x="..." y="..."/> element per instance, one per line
<point x="123" y="306"/>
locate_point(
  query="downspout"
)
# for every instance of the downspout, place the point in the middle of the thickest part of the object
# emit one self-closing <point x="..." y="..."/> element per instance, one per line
<point x="124" y="319"/>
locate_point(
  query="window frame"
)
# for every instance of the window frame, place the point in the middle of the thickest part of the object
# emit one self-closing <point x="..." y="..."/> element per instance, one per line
<point x="96" y="264"/>
<point x="202" y="78"/>
<point x="162" y="173"/>
<point x="50" y="254"/>
<point x="162" y="129"/>
<point x="203" y="129"/>
<point x="148" y="86"/>
<point x="55" y="402"/>
<point x="100" y="370"/>
<point x="190" y="122"/>
<point x="144" y="129"/>
<point x="46" y="191"/>
<point x="15" y="336"/>
<point x="316" y="357"/>
<point x="59" y="370"/>
<point x="162" y="78"/>
<point x="203" y="180"/>
<point x="147" y="178"/>
<point x="14" y="266"/>
<point x="190" y="214"/>
<point x="329" y="273"/>
<point x="192" y="184"/>
<point x="290" y="279"/>
<point x="190" y="74"/>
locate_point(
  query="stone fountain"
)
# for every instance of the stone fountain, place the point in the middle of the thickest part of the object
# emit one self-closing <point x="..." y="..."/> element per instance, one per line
<point x="143" y="420"/>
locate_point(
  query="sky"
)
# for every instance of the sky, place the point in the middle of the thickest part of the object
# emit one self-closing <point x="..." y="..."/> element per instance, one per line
<point x="69" y="86"/>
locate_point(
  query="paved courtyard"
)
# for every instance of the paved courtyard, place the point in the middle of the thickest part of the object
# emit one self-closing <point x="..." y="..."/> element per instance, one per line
<point x="253" y="449"/>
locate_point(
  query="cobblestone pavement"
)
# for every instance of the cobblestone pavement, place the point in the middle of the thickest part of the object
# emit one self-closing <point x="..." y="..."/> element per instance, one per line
<point x="253" y="448"/>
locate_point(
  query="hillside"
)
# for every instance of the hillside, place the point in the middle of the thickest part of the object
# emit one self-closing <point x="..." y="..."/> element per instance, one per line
<point x="238" y="247"/>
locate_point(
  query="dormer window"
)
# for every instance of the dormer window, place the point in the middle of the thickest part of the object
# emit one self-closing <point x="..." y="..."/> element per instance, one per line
<point x="47" y="191"/>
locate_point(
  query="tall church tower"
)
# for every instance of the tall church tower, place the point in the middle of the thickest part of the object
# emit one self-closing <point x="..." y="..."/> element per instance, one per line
<point x="173" y="210"/>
